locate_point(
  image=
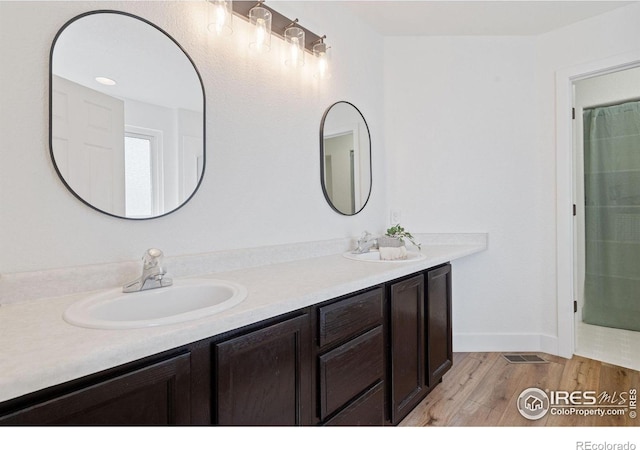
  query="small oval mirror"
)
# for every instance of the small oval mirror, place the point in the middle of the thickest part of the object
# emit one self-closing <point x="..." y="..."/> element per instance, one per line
<point x="127" y="125"/>
<point x="345" y="158"/>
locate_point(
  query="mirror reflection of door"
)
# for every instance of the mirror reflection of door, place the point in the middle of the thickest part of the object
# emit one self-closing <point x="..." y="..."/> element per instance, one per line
<point x="87" y="134"/>
<point x="345" y="156"/>
<point x="340" y="171"/>
<point x="127" y="115"/>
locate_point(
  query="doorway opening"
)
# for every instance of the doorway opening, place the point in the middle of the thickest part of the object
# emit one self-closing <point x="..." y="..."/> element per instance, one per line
<point x="606" y="167"/>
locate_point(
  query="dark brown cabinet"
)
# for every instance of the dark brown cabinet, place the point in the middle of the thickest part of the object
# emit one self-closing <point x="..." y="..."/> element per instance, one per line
<point x="158" y="394"/>
<point x="263" y="377"/>
<point x="351" y="360"/>
<point x="420" y="350"/>
<point x="439" y="350"/>
<point x="407" y="347"/>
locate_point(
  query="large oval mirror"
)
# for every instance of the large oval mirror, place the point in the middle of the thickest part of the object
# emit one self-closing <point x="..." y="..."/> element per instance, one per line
<point x="127" y="115"/>
<point x="345" y="158"/>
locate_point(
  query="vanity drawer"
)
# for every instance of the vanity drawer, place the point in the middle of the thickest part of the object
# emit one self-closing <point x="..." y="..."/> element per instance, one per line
<point x="366" y="410"/>
<point x="350" y="316"/>
<point x="348" y="370"/>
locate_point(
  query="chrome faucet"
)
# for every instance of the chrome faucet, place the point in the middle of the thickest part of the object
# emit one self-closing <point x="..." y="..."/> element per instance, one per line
<point x="366" y="242"/>
<point x="153" y="273"/>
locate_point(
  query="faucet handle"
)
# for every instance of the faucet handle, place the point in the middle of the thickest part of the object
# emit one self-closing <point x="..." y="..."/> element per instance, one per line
<point x="152" y="258"/>
<point x="365" y="236"/>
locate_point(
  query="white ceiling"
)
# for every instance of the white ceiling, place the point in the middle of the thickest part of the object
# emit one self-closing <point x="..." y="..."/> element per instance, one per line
<point x="145" y="63"/>
<point x="474" y="18"/>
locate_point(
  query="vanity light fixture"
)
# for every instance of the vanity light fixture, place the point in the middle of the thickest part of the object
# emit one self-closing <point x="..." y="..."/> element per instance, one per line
<point x="322" y="51"/>
<point x="260" y="18"/>
<point x="106" y="81"/>
<point x="294" y="39"/>
<point x="266" y="20"/>
<point x="220" y="14"/>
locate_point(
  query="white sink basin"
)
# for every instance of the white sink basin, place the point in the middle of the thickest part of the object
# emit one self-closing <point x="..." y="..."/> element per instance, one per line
<point x="374" y="256"/>
<point x="186" y="300"/>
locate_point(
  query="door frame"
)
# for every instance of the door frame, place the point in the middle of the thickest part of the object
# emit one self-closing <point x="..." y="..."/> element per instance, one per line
<point x="565" y="183"/>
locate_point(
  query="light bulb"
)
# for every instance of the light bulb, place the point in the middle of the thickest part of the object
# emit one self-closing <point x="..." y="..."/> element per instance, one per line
<point x="221" y="18"/>
<point x="322" y="65"/>
<point x="220" y="21"/>
<point x="260" y="18"/>
<point x="260" y="34"/>
<point x="321" y="51"/>
<point x="294" y="38"/>
<point x="294" y="52"/>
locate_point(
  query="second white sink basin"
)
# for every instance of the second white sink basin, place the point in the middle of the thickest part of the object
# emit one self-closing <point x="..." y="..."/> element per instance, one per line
<point x="374" y="256"/>
<point x="186" y="300"/>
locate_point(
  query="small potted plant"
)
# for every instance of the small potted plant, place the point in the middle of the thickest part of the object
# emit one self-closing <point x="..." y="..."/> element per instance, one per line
<point x="395" y="236"/>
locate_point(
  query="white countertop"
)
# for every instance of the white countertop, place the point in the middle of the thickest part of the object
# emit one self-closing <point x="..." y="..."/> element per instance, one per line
<point x="39" y="349"/>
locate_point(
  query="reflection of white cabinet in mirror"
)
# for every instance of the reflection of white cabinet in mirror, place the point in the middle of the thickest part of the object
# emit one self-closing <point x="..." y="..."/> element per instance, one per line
<point x="161" y="102"/>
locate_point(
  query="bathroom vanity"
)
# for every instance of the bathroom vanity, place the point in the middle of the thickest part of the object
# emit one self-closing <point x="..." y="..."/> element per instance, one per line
<point x="343" y="343"/>
<point x="337" y="363"/>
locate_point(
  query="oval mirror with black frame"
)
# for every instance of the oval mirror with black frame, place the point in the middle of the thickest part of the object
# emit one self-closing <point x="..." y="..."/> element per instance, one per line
<point x="345" y="158"/>
<point x="126" y="115"/>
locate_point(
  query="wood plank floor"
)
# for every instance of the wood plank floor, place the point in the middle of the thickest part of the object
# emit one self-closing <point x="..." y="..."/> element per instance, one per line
<point x="482" y="389"/>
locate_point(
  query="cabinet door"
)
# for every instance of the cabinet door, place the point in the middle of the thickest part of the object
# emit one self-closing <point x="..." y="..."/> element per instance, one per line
<point x="440" y="356"/>
<point x="407" y="346"/>
<point x="349" y="370"/>
<point x="158" y="394"/>
<point x="263" y="377"/>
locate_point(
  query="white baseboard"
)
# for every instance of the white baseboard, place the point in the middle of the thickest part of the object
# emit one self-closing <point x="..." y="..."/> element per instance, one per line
<point x="504" y="342"/>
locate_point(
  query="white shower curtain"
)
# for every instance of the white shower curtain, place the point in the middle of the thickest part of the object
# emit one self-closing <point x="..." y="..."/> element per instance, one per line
<point x="612" y="216"/>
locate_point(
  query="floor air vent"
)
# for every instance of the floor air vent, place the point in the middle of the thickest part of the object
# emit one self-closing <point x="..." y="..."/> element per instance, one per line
<point x="524" y="359"/>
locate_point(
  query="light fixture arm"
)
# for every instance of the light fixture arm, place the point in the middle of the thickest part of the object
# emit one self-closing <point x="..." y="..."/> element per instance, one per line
<point x="319" y="41"/>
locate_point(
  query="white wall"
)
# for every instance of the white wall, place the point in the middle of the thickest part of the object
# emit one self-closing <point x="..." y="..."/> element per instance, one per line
<point x="460" y="141"/>
<point x="262" y="180"/>
<point x="470" y="128"/>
